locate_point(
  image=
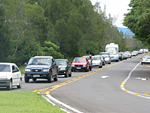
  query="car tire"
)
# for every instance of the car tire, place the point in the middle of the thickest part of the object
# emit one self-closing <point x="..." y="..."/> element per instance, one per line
<point x="26" y="80"/>
<point x="49" y="79"/>
<point x="141" y="63"/>
<point x="56" y="78"/>
<point x="10" y="85"/>
<point x="34" y="79"/>
<point x="66" y="75"/>
<point x="20" y="84"/>
<point x="70" y="74"/>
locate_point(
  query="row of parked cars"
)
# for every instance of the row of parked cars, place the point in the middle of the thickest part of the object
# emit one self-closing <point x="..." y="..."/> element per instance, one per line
<point x="46" y="67"/>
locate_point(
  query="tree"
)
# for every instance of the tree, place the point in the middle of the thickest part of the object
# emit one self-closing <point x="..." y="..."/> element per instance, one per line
<point x="137" y="20"/>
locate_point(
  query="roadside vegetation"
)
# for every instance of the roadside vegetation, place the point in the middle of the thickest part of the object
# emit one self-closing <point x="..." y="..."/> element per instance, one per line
<point x="26" y="102"/>
<point x="61" y="28"/>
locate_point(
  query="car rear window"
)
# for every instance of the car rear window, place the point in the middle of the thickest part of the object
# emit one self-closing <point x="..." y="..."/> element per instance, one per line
<point x="96" y="58"/>
<point x="79" y="60"/>
<point x="61" y="62"/>
<point x="4" y="68"/>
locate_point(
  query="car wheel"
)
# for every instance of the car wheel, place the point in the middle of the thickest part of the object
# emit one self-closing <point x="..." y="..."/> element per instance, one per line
<point x="20" y="84"/>
<point x="26" y="80"/>
<point x="56" y="78"/>
<point x="49" y="79"/>
<point x="70" y="74"/>
<point x="66" y="75"/>
<point x="10" y="85"/>
<point x="34" y="79"/>
<point x="141" y="63"/>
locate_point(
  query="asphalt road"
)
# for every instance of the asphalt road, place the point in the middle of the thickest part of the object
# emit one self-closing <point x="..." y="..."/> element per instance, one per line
<point x="112" y="89"/>
<point x="102" y="92"/>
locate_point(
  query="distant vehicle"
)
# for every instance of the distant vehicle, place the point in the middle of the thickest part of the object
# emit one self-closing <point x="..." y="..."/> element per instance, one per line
<point x="104" y="53"/>
<point x="121" y="56"/>
<point x="80" y="63"/>
<point x="113" y="50"/>
<point x="145" y="60"/>
<point x="41" y="67"/>
<point x="10" y="75"/>
<point x="103" y="59"/>
<point x="64" y="67"/>
<point x="129" y="54"/>
<point x="107" y="59"/>
<point x="97" y="61"/>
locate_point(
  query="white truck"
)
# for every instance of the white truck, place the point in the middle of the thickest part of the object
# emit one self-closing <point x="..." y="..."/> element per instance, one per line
<point x="113" y="50"/>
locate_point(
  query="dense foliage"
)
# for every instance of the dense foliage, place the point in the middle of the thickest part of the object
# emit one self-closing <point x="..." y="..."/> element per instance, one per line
<point x="62" y="28"/>
<point x="137" y="20"/>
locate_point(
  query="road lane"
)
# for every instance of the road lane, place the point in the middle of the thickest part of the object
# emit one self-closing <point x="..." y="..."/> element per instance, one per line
<point x="94" y="94"/>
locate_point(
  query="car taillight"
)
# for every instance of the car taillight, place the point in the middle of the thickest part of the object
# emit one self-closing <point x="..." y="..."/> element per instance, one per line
<point x="142" y="59"/>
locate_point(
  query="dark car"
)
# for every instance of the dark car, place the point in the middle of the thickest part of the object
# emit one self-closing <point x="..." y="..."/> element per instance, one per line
<point x="64" y="67"/>
<point x="80" y="63"/>
<point x="41" y="67"/>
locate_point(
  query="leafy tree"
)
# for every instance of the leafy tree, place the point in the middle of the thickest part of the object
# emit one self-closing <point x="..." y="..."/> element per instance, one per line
<point x="137" y="20"/>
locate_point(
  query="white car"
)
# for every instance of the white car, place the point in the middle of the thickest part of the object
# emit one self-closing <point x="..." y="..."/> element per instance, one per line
<point x="97" y="61"/>
<point x="145" y="60"/>
<point x="10" y="76"/>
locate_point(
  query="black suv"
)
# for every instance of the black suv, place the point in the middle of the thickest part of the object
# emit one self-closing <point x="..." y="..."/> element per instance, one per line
<point x="41" y="67"/>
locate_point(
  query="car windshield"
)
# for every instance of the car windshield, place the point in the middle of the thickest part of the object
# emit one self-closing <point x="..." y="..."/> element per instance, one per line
<point x="112" y="50"/>
<point x="61" y="62"/>
<point x="96" y="58"/>
<point x="39" y="61"/>
<point x="104" y="53"/>
<point x="4" y="68"/>
<point x="147" y="57"/>
<point x="79" y="60"/>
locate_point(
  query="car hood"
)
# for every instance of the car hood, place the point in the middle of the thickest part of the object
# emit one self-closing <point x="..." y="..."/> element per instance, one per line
<point x="37" y="66"/>
<point x="95" y="61"/>
<point x="79" y="63"/>
<point x="5" y="74"/>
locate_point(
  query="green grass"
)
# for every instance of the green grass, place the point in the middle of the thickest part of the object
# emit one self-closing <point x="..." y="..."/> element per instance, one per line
<point x="148" y="54"/>
<point x="25" y="102"/>
<point x="22" y="68"/>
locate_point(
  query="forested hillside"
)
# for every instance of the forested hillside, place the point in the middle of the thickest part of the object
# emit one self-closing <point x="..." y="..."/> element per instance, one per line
<point x="61" y="28"/>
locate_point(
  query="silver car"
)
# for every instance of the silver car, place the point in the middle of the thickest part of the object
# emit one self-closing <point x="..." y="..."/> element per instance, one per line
<point x="107" y="59"/>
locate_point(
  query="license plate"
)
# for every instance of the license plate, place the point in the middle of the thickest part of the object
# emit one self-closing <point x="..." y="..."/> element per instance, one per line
<point x="78" y="67"/>
<point x="36" y="75"/>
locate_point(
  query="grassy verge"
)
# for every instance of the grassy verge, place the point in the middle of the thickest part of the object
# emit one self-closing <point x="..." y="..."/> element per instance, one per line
<point x="22" y="68"/>
<point x="148" y="54"/>
<point x="25" y="102"/>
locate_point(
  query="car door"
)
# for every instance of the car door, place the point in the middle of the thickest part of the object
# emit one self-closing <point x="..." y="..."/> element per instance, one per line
<point x="15" y="76"/>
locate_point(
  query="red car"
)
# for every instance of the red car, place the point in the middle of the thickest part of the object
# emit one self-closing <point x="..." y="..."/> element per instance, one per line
<point x="80" y="63"/>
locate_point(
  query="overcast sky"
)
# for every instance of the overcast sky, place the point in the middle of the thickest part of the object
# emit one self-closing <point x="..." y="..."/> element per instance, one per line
<point x="115" y="8"/>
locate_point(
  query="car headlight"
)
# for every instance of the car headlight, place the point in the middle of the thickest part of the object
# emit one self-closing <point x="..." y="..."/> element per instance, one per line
<point x="3" y="77"/>
<point x="73" y="65"/>
<point x="28" y="70"/>
<point x="62" y="68"/>
<point x="84" y="65"/>
<point x="46" y="70"/>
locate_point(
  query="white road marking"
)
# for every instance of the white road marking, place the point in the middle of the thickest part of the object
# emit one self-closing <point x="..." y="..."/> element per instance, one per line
<point x="105" y="76"/>
<point x="65" y="105"/>
<point x="141" y="78"/>
<point x="133" y="93"/>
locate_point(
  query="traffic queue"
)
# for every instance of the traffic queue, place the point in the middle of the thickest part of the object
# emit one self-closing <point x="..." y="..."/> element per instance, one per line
<point x="46" y="67"/>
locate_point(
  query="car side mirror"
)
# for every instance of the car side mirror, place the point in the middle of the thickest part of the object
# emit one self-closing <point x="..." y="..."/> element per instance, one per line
<point x="26" y="63"/>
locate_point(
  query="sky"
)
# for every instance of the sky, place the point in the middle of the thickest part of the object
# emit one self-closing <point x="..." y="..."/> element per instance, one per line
<point x="117" y="8"/>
